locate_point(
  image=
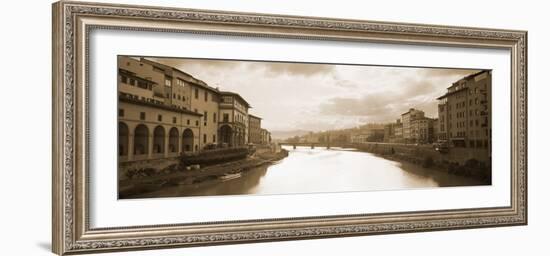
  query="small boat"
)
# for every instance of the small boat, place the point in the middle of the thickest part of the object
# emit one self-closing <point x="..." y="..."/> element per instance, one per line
<point x="231" y="176"/>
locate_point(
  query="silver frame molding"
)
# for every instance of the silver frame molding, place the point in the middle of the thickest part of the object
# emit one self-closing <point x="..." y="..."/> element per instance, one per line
<point x="72" y="23"/>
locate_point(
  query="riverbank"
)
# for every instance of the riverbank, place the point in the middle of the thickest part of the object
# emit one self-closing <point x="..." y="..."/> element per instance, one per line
<point x="184" y="177"/>
<point x="428" y="157"/>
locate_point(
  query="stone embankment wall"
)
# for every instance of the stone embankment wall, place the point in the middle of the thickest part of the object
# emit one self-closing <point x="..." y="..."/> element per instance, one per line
<point x="462" y="161"/>
<point x="157" y="164"/>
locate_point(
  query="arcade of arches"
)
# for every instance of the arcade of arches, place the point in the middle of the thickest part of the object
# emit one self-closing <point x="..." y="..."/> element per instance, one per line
<point x="143" y="142"/>
<point x="150" y="142"/>
<point x="232" y="135"/>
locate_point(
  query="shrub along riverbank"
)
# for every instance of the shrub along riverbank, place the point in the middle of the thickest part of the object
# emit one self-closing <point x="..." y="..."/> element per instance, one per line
<point x="428" y="157"/>
<point x="181" y="175"/>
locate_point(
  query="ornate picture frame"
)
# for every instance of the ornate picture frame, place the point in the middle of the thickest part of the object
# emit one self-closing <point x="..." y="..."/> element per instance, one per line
<point x="72" y="24"/>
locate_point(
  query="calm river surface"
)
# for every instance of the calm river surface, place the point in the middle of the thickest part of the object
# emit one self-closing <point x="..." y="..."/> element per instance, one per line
<point x="308" y="170"/>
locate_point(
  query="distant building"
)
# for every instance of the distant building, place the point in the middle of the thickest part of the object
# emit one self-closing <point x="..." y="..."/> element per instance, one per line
<point x="390" y="131"/>
<point x="265" y="136"/>
<point x="407" y="118"/>
<point x="254" y="129"/>
<point x="465" y="112"/>
<point x="370" y="135"/>
<point x="436" y="129"/>
<point x="398" y="131"/>
<point x="311" y="138"/>
<point x="422" y="130"/>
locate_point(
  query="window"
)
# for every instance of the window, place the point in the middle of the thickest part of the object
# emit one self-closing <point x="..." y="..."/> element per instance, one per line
<point x="159" y="118"/>
<point x="180" y="82"/>
<point x="205" y="115"/>
<point x="214" y="138"/>
<point x="142" y="84"/>
<point x="168" y="81"/>
<point x="179" y="97"/>
<point x="214" y="119"/>
<point x="188" y="122"/>
<point x="174" y="120"/>
<point x="196" y="93"/>
<point x="173" y="96"/>
<point x="124" y="79"/>
<point x="142" y="116"/>
<point x="204" y="138"/>
<point x="196" y="122"/>
<point x="226" y="117"/>
<point x="120" y="112"/>
<point x="205" y="96"/>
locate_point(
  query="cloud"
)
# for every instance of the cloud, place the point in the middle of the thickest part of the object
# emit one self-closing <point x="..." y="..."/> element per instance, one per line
<point x="386" y="105"/>
<point x="184" y="64"/>
<point x="294" y="69"/>
<point x="271" y="68"/>
<point x="346" y="84"/>
<point x="447" y="72"/>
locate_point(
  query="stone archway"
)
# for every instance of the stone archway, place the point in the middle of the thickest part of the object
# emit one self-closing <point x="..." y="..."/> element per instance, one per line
<point x="141" y="140"/>
<point x="188" y="140"/>
<point x="158" y="140"/>
<point x="225" y="135"/>
<point x="173" y="144"/>
<point x="122" y="139"/>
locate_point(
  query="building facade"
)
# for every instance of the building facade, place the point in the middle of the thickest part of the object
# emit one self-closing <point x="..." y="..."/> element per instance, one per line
<point x="422" y="130"/>
<point x="265" y="136"/>
<point x="465" y="112"/>
<point x="370" y="135"/>
<point x="163" y="112"/>
<point x="393" y="131"/>
<point x="233" y="127"/>
<point x="407" y="118"/>
<point x="254" y="129"/>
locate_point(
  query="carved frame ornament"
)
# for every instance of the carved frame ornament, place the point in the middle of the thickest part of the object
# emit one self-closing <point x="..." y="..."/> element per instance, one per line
<point x="72" y="23"/>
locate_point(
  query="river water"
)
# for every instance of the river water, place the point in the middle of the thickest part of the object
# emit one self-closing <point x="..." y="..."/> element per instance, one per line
<point x="307" y="170"/>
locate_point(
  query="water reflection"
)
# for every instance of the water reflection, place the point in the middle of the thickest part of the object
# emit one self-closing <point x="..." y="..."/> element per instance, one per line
<point x="308" y="170"/>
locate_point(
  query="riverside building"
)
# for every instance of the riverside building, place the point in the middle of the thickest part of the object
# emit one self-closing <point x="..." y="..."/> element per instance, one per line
<point x="163" y="112"/>
<point x="465" y="112"/>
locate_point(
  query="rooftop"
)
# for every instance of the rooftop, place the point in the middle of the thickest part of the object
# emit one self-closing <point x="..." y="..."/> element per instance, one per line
<point x="236" y="95"/>
<point x="191" y="78"/>
<point x="128" y="99"/>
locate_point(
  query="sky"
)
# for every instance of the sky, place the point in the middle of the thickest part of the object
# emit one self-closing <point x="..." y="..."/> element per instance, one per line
<point x="318" y="97"/>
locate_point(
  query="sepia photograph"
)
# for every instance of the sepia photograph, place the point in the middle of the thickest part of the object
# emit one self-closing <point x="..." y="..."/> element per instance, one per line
<point x="209" y="127"/>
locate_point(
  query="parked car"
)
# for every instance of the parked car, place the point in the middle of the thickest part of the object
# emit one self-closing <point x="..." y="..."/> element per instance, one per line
<point x="441" y="146"/>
